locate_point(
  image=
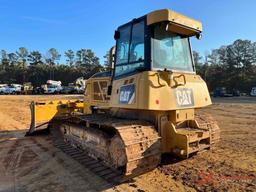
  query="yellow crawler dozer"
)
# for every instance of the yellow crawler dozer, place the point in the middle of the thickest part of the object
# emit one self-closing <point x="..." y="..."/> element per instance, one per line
<point x="145" y="106"/>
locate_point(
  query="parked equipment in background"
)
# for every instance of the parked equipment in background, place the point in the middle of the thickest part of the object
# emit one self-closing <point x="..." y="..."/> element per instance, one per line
<point x="17" y="87"/>
<point x="223" y="92"/>
<point x="52" y="87"/>
<point x="146" y="106"/>
<point x="3" y="88"/>
<point x="43" y="88"/>
<point x="8" y="89"/>
<point x="70" y="89"/>
<point x="38" y="90"/>
<point x="253" y="92"/>
<point x="80" y="85"/>
<point x="52" y="82"/>
<point x="27" y="88"/>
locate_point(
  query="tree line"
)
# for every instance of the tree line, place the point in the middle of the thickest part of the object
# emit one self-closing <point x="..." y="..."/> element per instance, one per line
<point x="232" y="66"/>
<point x="32" y="66"/>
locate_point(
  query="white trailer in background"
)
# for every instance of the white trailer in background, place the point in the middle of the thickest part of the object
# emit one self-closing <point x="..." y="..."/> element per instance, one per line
<point x="52" y="82"/>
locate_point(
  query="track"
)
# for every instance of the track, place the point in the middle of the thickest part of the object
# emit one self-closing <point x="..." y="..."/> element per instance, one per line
<point x="82" y="157"/>
<point x="115" y="149"/>
<point x="205" y="121"/>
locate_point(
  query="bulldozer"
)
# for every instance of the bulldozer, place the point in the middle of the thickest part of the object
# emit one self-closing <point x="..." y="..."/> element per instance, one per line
<point x="146" y="106"/>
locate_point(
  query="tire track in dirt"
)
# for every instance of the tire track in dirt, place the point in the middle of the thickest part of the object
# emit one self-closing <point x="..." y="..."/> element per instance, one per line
<point x="55" y="166"/>
<point x="8" y="167"/>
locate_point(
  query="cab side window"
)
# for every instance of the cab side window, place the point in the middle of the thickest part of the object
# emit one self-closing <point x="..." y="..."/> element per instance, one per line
<point x="137" y="43"/>
<point x="123" y="45"/>
<point x="130" y="49"/>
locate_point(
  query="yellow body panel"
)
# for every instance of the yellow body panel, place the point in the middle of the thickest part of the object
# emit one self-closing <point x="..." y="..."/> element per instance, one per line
<point x="179" y="23"/>
<point x="96" y="93"/>
<point x="158" y="91"/>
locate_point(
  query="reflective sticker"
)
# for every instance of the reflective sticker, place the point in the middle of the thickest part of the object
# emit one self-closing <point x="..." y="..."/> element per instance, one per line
<point x="184" y="97"/>
<point x="127" y="94"/>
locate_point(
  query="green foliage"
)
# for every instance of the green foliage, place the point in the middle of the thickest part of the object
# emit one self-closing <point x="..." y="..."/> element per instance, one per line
<point x="107" y="63"/>
<point x="232" y="66"/>
<point x="70" y="56"/>
<point x="52" y="56"/>
<point x="35" y="58"/>
<point x="24" y="66"/>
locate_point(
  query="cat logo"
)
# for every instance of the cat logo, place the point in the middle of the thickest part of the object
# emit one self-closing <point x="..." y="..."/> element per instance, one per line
<point x="184" y="97"/>
<point x="127" y="94"/>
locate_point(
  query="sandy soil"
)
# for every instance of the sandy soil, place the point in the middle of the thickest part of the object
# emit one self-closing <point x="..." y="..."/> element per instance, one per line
<point x="15" y="111"/>
<point x="34" y="164"/>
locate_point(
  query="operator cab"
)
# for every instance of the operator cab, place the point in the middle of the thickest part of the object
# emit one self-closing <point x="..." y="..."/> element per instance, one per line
<point x="158" y="41"/>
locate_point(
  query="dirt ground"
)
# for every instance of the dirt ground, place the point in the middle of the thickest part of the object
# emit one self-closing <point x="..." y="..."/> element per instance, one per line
<point x="34" y="164"/>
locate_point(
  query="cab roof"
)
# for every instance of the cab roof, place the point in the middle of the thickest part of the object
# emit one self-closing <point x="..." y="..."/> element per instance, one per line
<point x="176" y="22"/>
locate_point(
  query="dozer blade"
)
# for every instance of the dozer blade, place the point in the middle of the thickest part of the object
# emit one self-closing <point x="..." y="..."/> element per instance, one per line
<point x="44" y="112"/>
